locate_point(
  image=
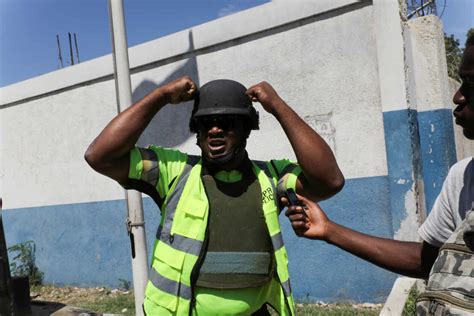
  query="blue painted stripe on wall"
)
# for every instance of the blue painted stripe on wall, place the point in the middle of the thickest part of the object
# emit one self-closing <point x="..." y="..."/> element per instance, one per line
<point x="323" y="272"/>
<point x="403" y="162"/>
<point x="86" y="244"/>
<point x="438" y="150"/>
<point x="82" y="244"/>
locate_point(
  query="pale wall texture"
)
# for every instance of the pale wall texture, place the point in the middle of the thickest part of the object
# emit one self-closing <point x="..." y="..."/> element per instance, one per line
<point x="330" y="60"/>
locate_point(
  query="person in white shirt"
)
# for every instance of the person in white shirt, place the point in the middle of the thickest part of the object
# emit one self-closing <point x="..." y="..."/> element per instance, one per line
<point x="446" y="255"/>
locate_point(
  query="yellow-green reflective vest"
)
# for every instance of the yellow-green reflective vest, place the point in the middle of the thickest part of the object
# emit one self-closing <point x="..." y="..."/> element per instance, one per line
<point x="180" y="237"/>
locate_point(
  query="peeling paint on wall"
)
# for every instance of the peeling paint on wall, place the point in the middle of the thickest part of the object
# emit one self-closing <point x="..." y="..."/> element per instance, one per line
<point x="409" y="225"/>
<point x="437" y="150"/>
<point x="401" y="135"/>
<point x="322" y="123"/>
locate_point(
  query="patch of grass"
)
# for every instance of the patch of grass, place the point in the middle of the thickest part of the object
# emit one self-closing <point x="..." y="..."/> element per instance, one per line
<point x="104" y="300"/>
<point x="339" y="309"/>
<point x="410" y="306"/>
<point x="23" y="263"/>
<point x="99" y="299"/>
<point x="124" y="305"/>
<point x="118" y="304"/>
<point x="334" y="310"/>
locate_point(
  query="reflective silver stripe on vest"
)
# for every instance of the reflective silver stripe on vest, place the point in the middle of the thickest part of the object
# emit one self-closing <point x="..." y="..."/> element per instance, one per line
<point x="170" y="286"/>
<point x="172" y="203"/>
<point x="180" y="242"/>
<point x="176" y="241"/>
<point x="286" y="287"/>
<point x="277" y="241"/>
<point x="152" y="173"/>
<point x="236" y="262"/>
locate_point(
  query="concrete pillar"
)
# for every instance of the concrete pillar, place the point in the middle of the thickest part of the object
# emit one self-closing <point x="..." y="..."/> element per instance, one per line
<point x="400" y="121"/>
<point x="429" y="93"/>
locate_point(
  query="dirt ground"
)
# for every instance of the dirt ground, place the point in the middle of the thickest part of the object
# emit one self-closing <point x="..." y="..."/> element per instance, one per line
<point x="62" y="301"/>
<point x="72" y="295"/>
<point x="82" y="297"/>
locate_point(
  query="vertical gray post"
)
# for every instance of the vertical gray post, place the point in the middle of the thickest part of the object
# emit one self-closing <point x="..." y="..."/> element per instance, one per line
<point x="70" y="49"/>
<point x="5" y="280"/>
<point x="400" y="124"/>
<point x="60" y="56"/>
<point x="135" y="220"/>
<point x="77" y="49"/>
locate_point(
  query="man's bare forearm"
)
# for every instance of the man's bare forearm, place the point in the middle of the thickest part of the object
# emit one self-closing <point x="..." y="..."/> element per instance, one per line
<point x="321" y="171"/>
<point x="109" y="152"/>
<point x="122" y="133"/>
<point x="402" y="257"/>
<point x="321" y="177"/>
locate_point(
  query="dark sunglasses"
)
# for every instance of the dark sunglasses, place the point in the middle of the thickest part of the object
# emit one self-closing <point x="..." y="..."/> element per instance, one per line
<point x="224" y="122"/>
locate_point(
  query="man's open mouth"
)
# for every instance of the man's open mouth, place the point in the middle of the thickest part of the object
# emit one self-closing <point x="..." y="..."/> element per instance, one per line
<point x="217" y="146"/>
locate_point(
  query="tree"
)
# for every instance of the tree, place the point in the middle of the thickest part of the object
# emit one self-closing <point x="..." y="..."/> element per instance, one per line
<point x="470" y="32"/>
<point x="454" y="54"/>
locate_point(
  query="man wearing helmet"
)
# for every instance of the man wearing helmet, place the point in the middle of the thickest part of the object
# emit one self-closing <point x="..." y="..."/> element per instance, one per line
<point x="219" y="249"/>
<point x="223" y="103"/>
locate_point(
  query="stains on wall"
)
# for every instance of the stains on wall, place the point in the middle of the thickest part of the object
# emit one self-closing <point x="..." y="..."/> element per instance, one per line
<point x="437" y="150"/>
<point x="323" y="125"/>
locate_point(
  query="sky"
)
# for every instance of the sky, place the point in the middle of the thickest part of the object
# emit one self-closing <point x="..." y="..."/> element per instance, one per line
<point x="28" y="28"/>
<point x="457" y="17"/>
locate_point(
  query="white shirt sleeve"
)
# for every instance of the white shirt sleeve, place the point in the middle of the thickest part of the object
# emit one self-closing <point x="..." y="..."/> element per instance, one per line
<point x="444" y="216"/>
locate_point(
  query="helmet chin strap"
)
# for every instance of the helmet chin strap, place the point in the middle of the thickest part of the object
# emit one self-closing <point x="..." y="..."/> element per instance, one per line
<point x="228" y="157"/>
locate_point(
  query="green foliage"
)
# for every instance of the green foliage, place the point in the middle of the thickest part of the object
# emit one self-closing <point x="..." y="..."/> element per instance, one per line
<point x="340" y="309"/>
<point x="123" y="305"/>
<point x="334" y="310"/>
<point x="453" y="55"/>
<point x="410" y="305"/>
<point x="23" y="263"/>
<point x="124" y="284"/>
<point x="470" y="32"/>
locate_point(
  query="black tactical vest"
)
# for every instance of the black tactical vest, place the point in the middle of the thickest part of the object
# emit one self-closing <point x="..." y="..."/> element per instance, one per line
<point x="239" y="250"/>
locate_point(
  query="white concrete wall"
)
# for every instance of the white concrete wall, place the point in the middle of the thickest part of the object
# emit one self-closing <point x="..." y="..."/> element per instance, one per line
<point x="428" y="86"/>
<point x="345" y="66"/>
<point x="43" y="142"/>
<point x="319" y="56"/>
<point x="429" y="93"/>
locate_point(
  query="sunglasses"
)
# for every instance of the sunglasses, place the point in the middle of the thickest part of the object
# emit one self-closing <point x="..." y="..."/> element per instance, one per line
<point x="224" y="122"/>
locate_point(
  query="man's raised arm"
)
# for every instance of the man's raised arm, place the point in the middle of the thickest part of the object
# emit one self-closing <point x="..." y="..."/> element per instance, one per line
<point x="321" y="177"/>
<point x="108" y="154"/>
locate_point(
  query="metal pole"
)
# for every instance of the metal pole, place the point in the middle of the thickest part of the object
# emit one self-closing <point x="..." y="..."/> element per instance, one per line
<point x="77" y="49"/>
<point x="70" y="50"/>
<point x="135" y="220"/>
<point x="60" y="57"/>
<point x="6" y="292"/>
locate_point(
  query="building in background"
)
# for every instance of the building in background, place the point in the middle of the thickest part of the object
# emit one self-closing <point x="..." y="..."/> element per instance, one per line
<point x="372" y="83"/>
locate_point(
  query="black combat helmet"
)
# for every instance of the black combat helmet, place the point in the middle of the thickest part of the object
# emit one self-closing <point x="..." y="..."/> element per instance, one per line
<point x="223" y="97"/>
